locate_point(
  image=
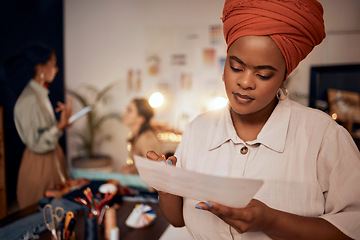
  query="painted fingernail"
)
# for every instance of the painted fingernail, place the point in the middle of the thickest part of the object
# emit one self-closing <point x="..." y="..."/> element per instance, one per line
<point x="208" y="204"/>
<point x="163" y="162"/>
<point x="198" y="207"/>
<point x="169" y="162"/>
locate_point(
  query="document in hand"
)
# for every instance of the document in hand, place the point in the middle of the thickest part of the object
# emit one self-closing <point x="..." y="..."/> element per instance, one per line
<point x="232" y="192"/>
<point x="79" y="114"/>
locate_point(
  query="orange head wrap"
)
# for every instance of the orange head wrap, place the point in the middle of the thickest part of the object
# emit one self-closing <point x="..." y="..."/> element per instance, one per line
<point x="296" y="26"/>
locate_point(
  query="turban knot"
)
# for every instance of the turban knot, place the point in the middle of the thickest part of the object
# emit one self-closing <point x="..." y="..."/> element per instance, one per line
<point x="296" y="26"/>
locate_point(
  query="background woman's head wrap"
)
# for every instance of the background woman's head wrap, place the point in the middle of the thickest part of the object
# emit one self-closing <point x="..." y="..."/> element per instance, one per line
<point x="296" y="26"/>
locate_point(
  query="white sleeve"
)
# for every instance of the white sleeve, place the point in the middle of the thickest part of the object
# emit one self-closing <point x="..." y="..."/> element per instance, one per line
<point x="339" y="178"/>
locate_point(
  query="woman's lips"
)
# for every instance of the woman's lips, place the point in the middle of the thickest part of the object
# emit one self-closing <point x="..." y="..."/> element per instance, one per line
<point x="242" y="98"/>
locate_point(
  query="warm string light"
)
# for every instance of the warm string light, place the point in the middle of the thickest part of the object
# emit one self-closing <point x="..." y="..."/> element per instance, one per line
<point x="169" y="137"/>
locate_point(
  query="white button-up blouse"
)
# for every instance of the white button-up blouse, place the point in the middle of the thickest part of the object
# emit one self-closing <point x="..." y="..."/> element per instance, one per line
<point x="310" y="165"/>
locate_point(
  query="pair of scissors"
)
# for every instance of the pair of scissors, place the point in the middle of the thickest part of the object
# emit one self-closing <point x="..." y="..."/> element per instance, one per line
<point x="55" y="218"/>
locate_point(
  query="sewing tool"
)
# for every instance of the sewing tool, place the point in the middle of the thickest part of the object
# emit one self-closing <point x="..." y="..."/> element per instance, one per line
<point x="62" y="224"/>
<point x="70" y="228"/>
<point x="69" y="215"/>
<point x="55" y="218"/>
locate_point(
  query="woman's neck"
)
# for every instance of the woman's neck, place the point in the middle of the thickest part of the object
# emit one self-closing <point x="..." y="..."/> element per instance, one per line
<point x="39" y="80"/>
<point x="249" y="126"/>
<point x="135" y="130"/>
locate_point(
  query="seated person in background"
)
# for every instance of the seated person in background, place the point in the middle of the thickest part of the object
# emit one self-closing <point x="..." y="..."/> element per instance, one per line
<point x="143" y="138"/>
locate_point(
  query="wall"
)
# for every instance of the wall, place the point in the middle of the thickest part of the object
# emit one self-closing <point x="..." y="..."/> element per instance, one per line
<point x="104" y="39"/>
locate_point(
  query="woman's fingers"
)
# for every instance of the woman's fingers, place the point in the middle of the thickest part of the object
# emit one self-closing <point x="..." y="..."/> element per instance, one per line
<point x="237" y="218"/>
<point x="171" y="160"/>
<point x="60" y="107"/>
<point x="223" y="211"/>
<point x="67" y="107"/>
<point x="253" y="217"/>
<point x="153" y="156"/>
<point x="156" y="157"/>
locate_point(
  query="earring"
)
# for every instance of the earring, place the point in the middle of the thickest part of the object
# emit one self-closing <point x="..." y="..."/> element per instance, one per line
<point x="42" y="76"/>
<point x="282" y="94"/>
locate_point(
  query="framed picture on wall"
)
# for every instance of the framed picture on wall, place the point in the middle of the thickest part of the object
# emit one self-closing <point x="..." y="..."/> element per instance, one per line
<point x="344" y="105"/>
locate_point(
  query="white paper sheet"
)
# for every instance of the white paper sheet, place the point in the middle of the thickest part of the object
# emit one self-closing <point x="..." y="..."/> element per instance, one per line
<point x="232" y="192"/>
<point x="79" y="114"/>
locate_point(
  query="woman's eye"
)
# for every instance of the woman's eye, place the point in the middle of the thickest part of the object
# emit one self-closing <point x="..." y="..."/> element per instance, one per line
<point x="235" y="69"/>
<point x="262" y="77"/>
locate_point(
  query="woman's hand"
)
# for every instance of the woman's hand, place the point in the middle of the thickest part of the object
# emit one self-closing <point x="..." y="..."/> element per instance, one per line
<point x="66" y="112"/>
<point x="171" y="205"/>
<point x="155" y="157"/>
<point x="256" y="216"/>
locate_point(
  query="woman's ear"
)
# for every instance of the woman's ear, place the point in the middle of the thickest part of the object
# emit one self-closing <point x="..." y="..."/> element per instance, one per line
<point x="283" y="83"/>
<point x="37" y="68"/>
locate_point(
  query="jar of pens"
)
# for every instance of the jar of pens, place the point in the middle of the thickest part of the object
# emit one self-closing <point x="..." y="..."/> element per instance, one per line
<point x="97" y="206"/>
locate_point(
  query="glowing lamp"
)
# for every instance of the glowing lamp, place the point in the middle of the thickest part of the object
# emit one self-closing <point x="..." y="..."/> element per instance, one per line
<point x="217" y="103"/>
<point x="156" y="99"/>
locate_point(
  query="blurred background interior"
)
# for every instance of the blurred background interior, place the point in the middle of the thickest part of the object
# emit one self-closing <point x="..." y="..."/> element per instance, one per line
<point x="170" y="52"/>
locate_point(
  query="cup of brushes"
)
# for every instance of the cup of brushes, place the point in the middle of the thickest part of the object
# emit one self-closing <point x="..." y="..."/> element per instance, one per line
<point x="97" y="207"/>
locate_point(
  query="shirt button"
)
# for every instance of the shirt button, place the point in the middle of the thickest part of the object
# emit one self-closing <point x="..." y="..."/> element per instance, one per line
<point x="244" y="150"/>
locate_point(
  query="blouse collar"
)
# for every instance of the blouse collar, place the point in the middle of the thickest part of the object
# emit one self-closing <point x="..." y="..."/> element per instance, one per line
<point x="38" y="88"/>
<point x="272" y="135"/>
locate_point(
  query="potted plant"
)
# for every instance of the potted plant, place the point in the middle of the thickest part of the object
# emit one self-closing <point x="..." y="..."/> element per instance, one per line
<point x="90" y="133"/>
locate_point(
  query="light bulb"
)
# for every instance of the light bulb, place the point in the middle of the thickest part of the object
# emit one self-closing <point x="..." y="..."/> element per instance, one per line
<point x="156" y="99"/>
<point x="217" y="103"/>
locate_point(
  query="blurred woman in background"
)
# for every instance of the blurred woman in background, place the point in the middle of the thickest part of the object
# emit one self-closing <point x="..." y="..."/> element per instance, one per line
<point x="43" y="164"/>
<point x="143" y="138"/>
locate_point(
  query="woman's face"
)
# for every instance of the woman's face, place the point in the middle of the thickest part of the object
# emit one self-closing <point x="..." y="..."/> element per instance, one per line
<point x="254" y="71"/>
<point x="131" y="116"/>
<point x="49" y="69"/>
